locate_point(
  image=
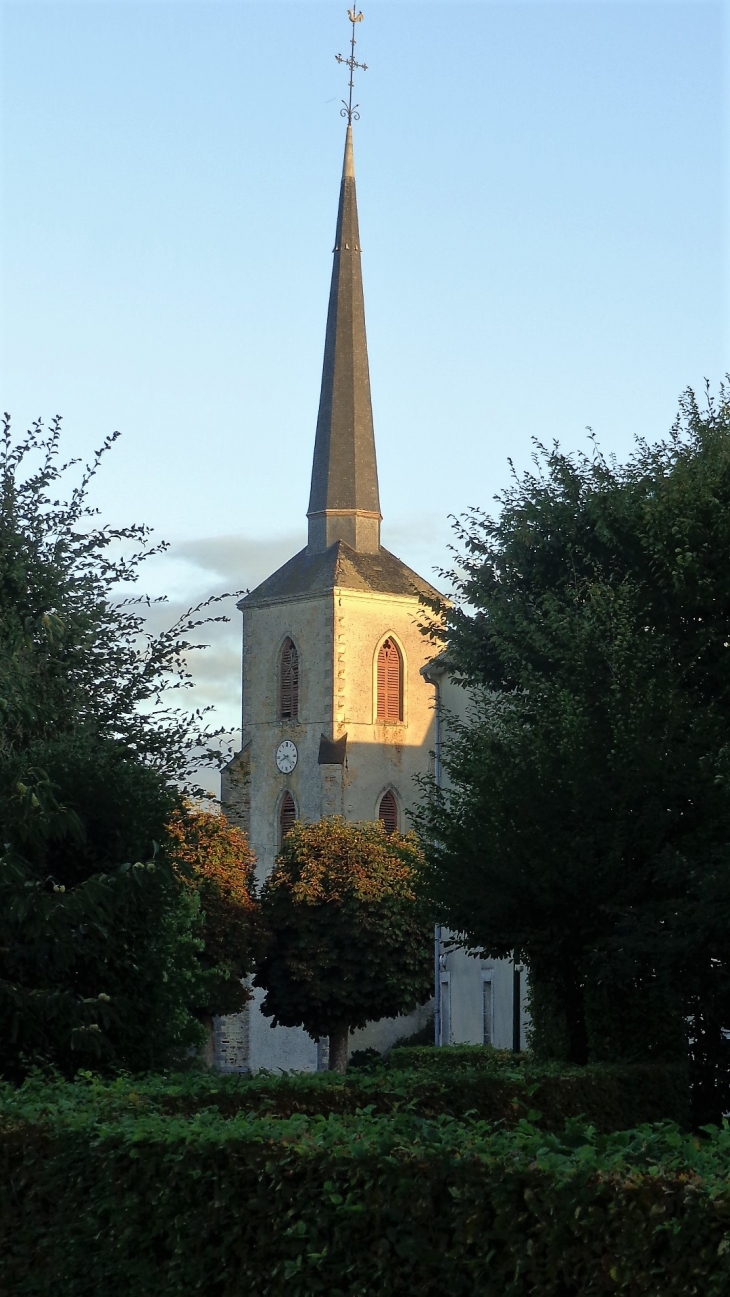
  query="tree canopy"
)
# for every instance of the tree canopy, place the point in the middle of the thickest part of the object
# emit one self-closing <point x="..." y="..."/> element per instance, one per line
<point x="588" y="819"/>
<point x="348" y="941"/>
<point x="99" y="940"/>
<point x="214" y="859"/>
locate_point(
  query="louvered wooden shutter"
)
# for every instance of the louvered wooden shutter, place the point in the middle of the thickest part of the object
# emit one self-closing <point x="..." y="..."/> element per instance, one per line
<point x="287" y="815"/>
<point x="289" y="683"/>
<point x="390" y="688"/>
<point x="388" y="812"/>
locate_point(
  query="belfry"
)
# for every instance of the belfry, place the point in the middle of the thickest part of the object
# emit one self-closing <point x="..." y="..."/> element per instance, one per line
<point x="337" y="717"/>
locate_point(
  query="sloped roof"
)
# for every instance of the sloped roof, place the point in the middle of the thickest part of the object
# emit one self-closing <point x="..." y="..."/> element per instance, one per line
<point x="339" y="566"/>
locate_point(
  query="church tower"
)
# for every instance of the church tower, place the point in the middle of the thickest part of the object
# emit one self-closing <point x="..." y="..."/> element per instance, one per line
<point x="337" y="717"/>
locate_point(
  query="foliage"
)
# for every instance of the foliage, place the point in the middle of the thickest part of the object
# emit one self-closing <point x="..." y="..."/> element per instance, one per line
<point x="365" y="1060"/>
<point x="609" y="1097"/>
<point x="347" y="940"/>
<point x="98" y="955"/>
<point x="73" y="653"/>
<point x="214" y="858"/>
<point x="127" y="1198"/>
<point x="588" y="820"/>
<point x="455" y="1058"/>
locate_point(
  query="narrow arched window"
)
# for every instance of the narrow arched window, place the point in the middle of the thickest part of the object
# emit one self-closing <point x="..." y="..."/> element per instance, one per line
<point x="388" y="812"/>
<point x="289" y="682"/>
<point x="390" y="682"/>
<point x="287" y="815"/>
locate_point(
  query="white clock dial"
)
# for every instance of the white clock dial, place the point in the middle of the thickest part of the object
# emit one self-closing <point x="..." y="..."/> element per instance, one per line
<point x="286" y="756"/>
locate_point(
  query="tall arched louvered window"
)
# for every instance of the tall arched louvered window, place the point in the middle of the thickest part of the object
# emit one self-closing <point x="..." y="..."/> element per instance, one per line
<point x="390" y="682"/>
<point x="287" y="815"/>
<point x="388" y="812"/>
<point x="289" y="682"/>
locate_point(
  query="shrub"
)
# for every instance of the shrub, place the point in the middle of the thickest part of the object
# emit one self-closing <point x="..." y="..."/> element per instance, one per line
<point x="452" y="1058"/>
<point x="365" y="1060"/>
<point x="625" y="1097"/>
<point x="369" y="1206"/>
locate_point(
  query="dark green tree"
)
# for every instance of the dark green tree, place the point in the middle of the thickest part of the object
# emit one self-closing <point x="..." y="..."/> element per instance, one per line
<point x="347" y="939"/>
<point x="588" y="820"/>
<point x="99" y="939"/>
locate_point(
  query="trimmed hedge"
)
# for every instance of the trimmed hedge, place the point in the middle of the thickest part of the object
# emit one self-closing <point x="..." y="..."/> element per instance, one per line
<point x="148" y="1205"/>
<point x="608" y="1098"/>
<point x="455" y="1058"/>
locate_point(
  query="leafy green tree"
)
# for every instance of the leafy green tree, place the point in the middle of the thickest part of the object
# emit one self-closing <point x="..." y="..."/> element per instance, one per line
<point x="588" y="820"/>
<point x="99" y="952"/>
<point x="348" y="941"/>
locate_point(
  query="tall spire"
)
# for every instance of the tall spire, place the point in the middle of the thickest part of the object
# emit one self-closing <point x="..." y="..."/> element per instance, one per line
<point x="344" y="503"/>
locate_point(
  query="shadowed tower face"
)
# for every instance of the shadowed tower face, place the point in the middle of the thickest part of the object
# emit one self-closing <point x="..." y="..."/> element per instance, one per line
<point x="344" y="502"/>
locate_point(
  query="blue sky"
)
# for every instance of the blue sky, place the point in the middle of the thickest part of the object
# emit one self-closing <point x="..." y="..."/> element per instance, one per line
<point x="543" y="209"/>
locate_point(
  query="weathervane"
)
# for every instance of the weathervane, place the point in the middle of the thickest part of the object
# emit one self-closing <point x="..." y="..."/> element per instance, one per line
<point x="350" y="110"/>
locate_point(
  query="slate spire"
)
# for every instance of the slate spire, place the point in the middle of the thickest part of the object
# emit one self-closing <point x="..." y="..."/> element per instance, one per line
<point x="344" y="503"/>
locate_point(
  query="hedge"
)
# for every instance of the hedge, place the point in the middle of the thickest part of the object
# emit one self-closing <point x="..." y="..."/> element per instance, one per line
<point x="609" y="1098"/>
<point x="148" y="1205"/>
<point x="454" y="1058"/>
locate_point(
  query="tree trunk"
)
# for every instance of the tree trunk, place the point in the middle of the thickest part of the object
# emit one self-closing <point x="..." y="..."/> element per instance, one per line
<point x="338" y="1047"/>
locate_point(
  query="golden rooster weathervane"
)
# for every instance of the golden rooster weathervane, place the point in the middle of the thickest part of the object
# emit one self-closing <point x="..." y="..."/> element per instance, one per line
<point x="350" y="110"/>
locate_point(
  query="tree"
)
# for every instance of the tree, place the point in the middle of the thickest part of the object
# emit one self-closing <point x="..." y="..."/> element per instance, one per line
<point x="214" y="859"/>
<point x="98" y="937"/>
<point x="588" y="821"/>
<point x="348" y="941"/>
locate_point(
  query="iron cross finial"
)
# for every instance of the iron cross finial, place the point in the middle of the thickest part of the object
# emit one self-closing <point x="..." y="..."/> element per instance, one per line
<point x="350" y="110"/>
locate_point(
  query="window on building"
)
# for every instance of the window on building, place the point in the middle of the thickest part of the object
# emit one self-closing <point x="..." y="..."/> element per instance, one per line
<point x="445" y="1007"/>
<point x="287" y="815"/>
<point x="388" y="812"/>
<point x="390" y="682"/>
<point x="487" y="1011"/>
<point x="289" y="682"/>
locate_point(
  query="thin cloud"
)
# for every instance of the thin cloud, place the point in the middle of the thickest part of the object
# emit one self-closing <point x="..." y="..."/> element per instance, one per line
<point x="187" y="574"/>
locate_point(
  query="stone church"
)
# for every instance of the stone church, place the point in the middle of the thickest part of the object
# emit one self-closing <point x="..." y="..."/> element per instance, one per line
<point x="339" y="701"/>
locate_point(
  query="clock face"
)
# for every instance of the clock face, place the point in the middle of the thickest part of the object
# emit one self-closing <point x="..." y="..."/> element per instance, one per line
<point x="286" y="756"/>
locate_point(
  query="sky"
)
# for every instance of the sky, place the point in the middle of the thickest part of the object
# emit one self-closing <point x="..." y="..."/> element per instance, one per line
<point x="543" y="210"/>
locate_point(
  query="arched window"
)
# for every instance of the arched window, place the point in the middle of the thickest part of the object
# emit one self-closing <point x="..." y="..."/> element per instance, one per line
<point x="287" y="815"/>
<point x="289" y="682"/>
<point x="390" y="682"/>
<point x="388" y="812"/>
